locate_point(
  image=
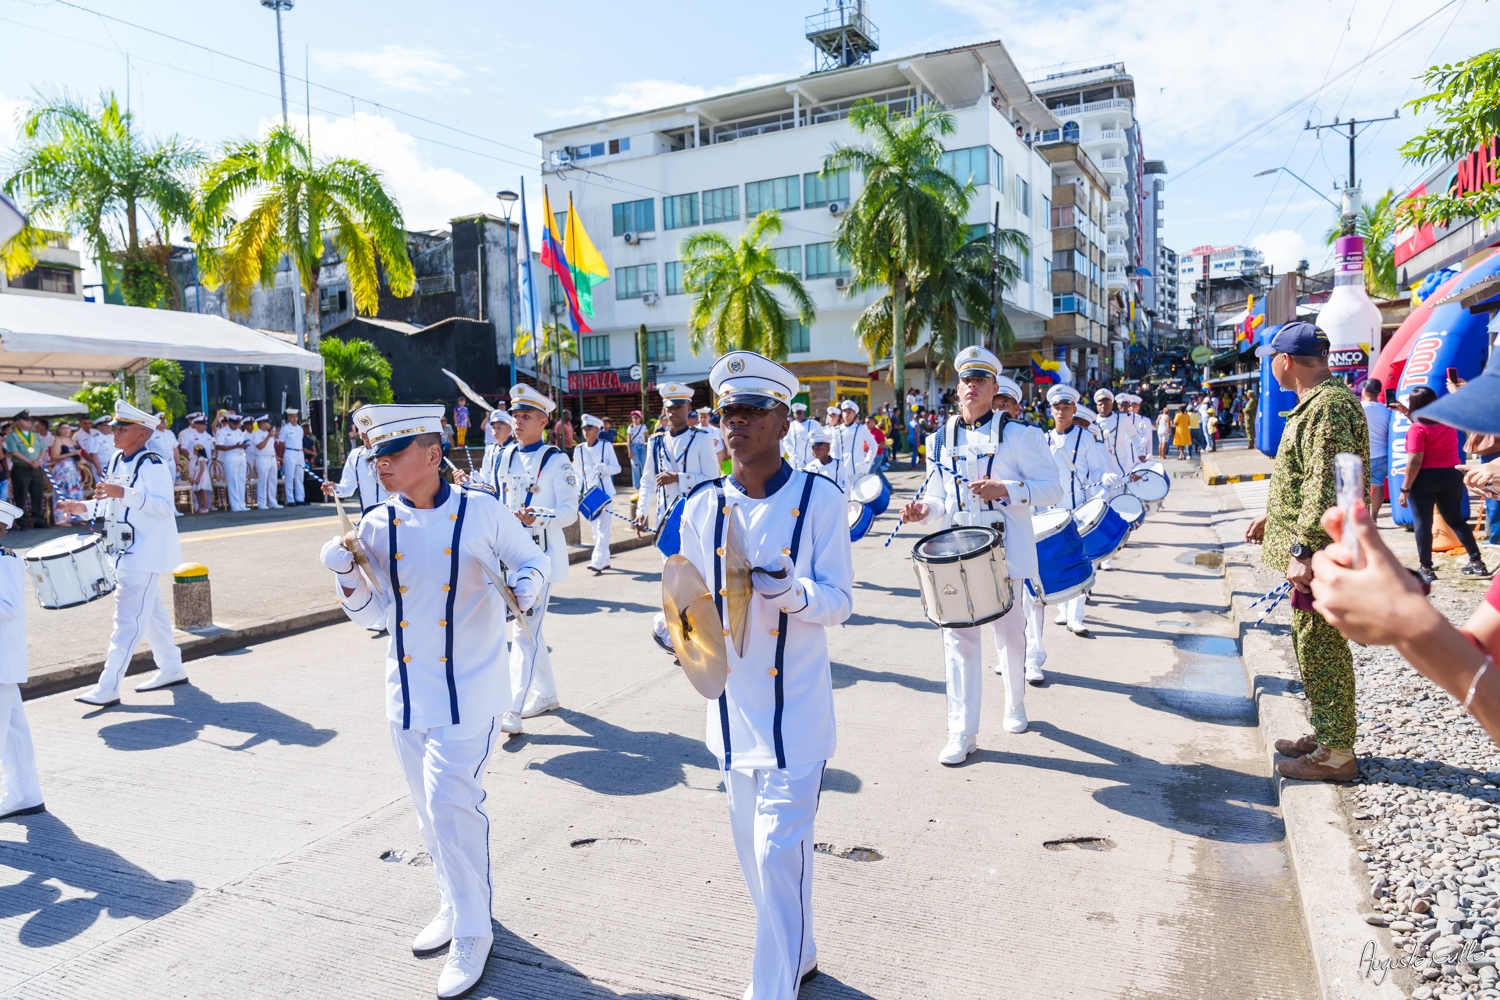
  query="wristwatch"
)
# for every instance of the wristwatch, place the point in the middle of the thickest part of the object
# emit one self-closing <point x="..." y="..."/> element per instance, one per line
<point x="1300" y="551"/>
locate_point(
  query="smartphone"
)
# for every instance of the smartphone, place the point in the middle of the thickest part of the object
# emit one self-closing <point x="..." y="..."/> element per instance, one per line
<point x="1453" y="375"/>
<point x="1349" y="487"/>
<point x="1388" y="396"/>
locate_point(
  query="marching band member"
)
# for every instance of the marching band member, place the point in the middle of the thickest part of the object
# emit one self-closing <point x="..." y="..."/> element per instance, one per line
<point x="1143" y="430"/>
<point x="1117" y="432"/>
<point x="498" y="429"/>
<point x="431" y="549"/>
<point x="23" y="789"/>
<point x="773" y="728"/>
<point x="360" y="478"/>
<point x="293" y="462"/>
<point x="1081" y="467"/>
<point x="138" y="491"/>
<point x="832" y="419"/>
<point x="853" y="444"/>
<point x="536" y="482"/>
<point x="1007" y="397"/>
<point x="596" y="464"/>
<point x="1006" y="471"/>
<point x="795" y="447"/>
<point x="263" y="463"/>
<point x="1007" y="400"/>
<point x="229" y="444"/>
<point x="824" y="462"/>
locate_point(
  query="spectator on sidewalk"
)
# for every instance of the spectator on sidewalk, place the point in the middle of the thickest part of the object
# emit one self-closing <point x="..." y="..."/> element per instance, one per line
<point x="1252" y="403"/>
<point x="1163" y="433"/>
<point x="635" y="436"/>
<point x="25" y="448"/>
<point x="1327" y="420"/>
<point x="1432" y="478"/>
<point x="1182" y="432"/>
<point x="460" y="421"/>
<point x="1378" y="419"/>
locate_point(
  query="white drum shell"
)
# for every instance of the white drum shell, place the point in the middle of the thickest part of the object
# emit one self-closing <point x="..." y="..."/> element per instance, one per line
<point x="1088" y="515"/>
<point x="966" y="591"/>
<point x="66" y="572"/>
<point x="866" y="489"/>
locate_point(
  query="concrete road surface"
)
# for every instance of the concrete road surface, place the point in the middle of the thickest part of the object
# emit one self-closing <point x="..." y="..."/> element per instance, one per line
<point x="249" y="835"/>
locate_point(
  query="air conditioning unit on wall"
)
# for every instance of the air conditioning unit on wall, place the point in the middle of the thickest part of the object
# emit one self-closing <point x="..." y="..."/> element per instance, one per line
<point x="632" y="239"/>
<point x="649" y="298"/>
<point x="841" y="282"/>
<point x="838" y="207"/>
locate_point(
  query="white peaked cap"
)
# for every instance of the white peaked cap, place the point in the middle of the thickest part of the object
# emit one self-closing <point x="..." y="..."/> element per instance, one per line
<point x="589" y="420"/>
<point x="499" y="415"/>
<point x="390" y="426"/>
<point x="849" y="404"/>
<point x="1061" y="393"/>
<point x="1007" y="386"/>
<point x="675" y="392"/>
<point x="747" y="377"/>
<point x="8" y="513"/>
<point x="975" y="360"/>
<point x="1102" y="393"/>
<point x="127" y="414"/>
<point x="1086" y="413"/>
<point x="525" y="397"/>
<point x="818" y="436"/>
<point x="799" y="405"/>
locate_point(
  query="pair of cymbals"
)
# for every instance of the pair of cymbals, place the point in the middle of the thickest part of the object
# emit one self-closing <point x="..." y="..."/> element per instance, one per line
<point x="698" y="634"/>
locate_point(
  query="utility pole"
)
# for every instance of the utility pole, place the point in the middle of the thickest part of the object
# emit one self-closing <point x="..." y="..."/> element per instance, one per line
<point x="1350" y="209"/>
<point x="994" y="344"/>
<point x="278" y="6"/>
<point x="508" y="201"/>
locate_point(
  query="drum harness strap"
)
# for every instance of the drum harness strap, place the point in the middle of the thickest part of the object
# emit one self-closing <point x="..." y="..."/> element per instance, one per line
<point x="510" y="453"/>
<point x="997" y="435"/>
<point x="799" y="517"/>
<point x="678" y="465"/>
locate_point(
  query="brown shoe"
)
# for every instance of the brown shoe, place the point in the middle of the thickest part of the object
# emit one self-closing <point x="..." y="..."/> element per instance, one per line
<point x="1300" y="747"/>
<point x="1314" y="767"/>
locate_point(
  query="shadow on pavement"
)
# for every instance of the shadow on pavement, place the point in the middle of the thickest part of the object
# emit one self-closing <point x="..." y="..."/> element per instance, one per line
<point x="71" y="882"/>
<point x="846" y="676"/>
<point x="612" y="760"/>
<point x="192" y="709"/>
<point x="588" y="605"/>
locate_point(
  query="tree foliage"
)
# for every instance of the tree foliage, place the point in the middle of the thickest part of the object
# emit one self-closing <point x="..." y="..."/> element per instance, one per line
<point x="1465" y="98"/>
<point x="164" y="382"/>
<point x="357" y="371"/>
<point x="553" y="351"/>
<point x="735" y="305"/>
<point x="1377" y="224"/>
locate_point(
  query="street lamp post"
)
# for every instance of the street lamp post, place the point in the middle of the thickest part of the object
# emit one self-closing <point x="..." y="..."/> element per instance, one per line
<point x="508" y="200"/>
<point x="278" y="6"/>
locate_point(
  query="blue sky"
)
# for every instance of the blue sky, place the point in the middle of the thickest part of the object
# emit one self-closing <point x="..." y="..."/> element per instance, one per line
<point x="491" y="74"/>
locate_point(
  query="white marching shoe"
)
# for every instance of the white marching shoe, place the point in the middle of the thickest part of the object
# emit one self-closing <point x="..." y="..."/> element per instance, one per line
<point x="20" y="807"/>
<point x="1015" y="719"/>
<point x="97" y="697"/>
<point x="1107" y="564"/>
<point x="1062" y="617"/>
<point x="958" y="749"/>
<point x="510" y="723"/>
<point x="1034" y="675"/>
<point x="435" y="935"/>
<point x="1078" y="628"/>
<point x="466" y="959"/>
<point x="162" y="679"/>
<point x="539" y="707"/>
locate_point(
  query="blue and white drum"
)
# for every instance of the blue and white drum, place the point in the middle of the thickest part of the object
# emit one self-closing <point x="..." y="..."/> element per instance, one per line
<point x="1065" y="570"/>
<point x="593" y="502"/>
<point x="1148" y="482"/>
<point x="1130" y="508"/>
<point x="69" y="571"/>
<point x="1103" y="531"/>
<point x="873" y="491"/>
<point x="669" y="529"/>
<point x="860" y="519"/>
<point x="963" y="576"/>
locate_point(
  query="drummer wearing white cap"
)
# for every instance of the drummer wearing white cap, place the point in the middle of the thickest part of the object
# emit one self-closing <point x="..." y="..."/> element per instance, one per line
<point x="596" y="466"/>
<point x="983" y="469"/>
<point x="1116" y="431"/>
<point x="1082" y="468"/>
<point x="23" y="789"/>
<point x="853" y="444"/>
<point x="796" y="447"/>
<point x="499" y="428"/>
<point x="138" y="492"/>
<point x="1007" y="397"/>
<point x="824" y="462"/>
<point x="773" y="727"/>
<point x="431" y="552"/>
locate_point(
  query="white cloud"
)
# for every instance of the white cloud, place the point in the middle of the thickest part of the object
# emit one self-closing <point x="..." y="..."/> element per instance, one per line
<point x="647" y="95"/>
<point x="1285" y="249"/>
<point x="396" y="67"/>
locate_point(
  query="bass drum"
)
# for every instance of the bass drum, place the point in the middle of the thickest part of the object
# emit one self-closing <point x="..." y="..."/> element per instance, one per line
<point x="70" y="571"/>
<point x="963" y="577"/>
<point x="874" y="492"/>
<point x="1066" y="571"/>
<point x="860" y="519"/>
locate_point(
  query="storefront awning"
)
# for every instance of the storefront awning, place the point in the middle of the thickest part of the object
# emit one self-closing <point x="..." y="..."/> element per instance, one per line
<point x="15" y="398"/>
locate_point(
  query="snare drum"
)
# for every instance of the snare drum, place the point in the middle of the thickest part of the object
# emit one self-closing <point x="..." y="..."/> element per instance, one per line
<point x="1103" y="531"/>
<point x="1148" y="482"/>
<point x="593" y="502"/>
<point x="1130" y="508"/>
<point x="962" y="575"/>
<point x="669" y="529"/>
<point x="860" y="519"/>
<point x="70" y="571"/>
<point x="874" y="492"/>
<point x="1065" y="570"/>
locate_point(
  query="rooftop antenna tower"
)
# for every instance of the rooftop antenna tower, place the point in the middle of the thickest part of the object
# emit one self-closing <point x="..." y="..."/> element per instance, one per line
<point x="842" y="35"/>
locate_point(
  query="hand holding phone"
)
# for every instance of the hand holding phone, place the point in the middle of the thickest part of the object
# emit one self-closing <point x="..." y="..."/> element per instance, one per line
<point x="1349" y="486"/>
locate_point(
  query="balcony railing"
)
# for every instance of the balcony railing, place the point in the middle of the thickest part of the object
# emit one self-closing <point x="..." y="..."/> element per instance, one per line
<point x="1110" y="104"/>
<point x="1116" y="250"/>
<point x="1115" y="220"/>
<point x="730" y="131"/>
<point x="1112" y="163"/>
<point x="1114" y="277"/>
<point x="1104" y="135"/>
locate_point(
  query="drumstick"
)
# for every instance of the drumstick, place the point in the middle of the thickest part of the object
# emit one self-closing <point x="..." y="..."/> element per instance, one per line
<point x="891" y="537"/>
<point x="356" y="547"/>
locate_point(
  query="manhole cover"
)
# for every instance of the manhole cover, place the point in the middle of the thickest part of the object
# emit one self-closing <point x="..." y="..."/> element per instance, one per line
<point x="1080" y="843"/>
<point x="417" y="859"/>
<point x="850" y="853"/>
<point x="607" y="842"/>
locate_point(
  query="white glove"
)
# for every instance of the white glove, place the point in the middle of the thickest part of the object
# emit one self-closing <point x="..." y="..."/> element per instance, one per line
<point x="1110" y="480"/>
<point x="771" y="587"/>
<point x="336" y="557"/>
<point x="526" y="586"/>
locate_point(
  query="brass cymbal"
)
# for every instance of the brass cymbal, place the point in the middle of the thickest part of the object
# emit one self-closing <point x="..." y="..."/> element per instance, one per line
<point x="737" y="579"/>
<point x="693" y="621"/>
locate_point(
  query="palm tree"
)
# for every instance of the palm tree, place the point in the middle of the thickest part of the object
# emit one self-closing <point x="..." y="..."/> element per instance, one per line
<point x="905" y="216"/>
<point x="296" y="200"/>
<point x="84" y="167"/>
<point x="555" y="350"/>
<point x="735" y="307"/>
<point x="1377" y="224"/>
<point x="357" y="370"/>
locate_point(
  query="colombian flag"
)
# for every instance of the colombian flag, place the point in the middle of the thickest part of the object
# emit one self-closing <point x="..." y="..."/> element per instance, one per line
<point x="587" y="266"/>
<point x="1044" y="372"/>
<point x="556" y="261"/>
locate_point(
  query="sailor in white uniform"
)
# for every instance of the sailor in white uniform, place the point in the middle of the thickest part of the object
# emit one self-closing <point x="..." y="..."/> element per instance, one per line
<point x="359" y="478"/>
<point x="229" y="448"/>
<point x="773" y="728"/>
<point x="796" y="447"/>
<point x="262" y="453"/>
<point x="596" y="464"/>
<point x="293" y="462"/>
<point x="23" y="789"/>
<point x="1006" y="472"/>
<point x="137" y="492"/>
<point x="824" y="462"/>
<point x="537" y="483"/>
<point x="853" y="444"/>
<point x="432" y="549"/>
<point x="1082" y="467"/>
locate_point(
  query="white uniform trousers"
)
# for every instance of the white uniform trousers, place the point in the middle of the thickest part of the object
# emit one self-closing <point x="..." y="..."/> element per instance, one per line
<point x="963" y="659"/>
<point x="292" y="464"/>
<point x="17" y="759"/>
<point x="265" y="483"/>
<point x="444" y="769"/>
<point x="1036" y="617"/>
<point x="140" y="613"/>
<point x="771" y="813"/>
<point x="599" y="527"/>
<point x="1071" y="611"/>
<point x="234" y="479"/>
<point x="530" y="661"/>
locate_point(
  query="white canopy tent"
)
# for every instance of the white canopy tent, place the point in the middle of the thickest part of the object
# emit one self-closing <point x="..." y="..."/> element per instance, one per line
<point x="56" y="340"/>
<point x="15" y="398"/>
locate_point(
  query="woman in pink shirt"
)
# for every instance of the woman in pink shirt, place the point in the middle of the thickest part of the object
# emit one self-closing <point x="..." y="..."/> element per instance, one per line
<point x="1432" y="479"/>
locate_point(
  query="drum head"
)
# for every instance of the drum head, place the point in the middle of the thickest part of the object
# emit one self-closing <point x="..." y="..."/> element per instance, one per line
<point x="1050" y="522"/>
<point x="866" y="489"/>
<point x="1088" y="515"/>
<point x="856" y="511"/>
<point x="1148" y="484"/>
<point x="1129" y="507"/>
<point x="955" y="544"/>
<point x="66" y="545"/>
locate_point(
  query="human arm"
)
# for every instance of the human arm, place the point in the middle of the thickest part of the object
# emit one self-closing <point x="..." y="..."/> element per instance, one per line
<point x="825" y="590"/>
<point x="1485" y="479"/>
<point x="13" y="592"/>
<point x="1041" y="484"/>
<point x="702" y="463"/>
<point x="527" y="567"/>
<point x="931" y="503"/>
<point x="348" y="483"/>
<point x="362" y="604"/>
<point x="151" y="491"/>
<point x="564" y="484"/>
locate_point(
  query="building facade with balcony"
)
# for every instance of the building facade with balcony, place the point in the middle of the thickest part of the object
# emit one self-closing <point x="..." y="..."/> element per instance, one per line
<point x="57" y="275"/>
<point x="643" y="182"/>
<point x="1080" y="256"/>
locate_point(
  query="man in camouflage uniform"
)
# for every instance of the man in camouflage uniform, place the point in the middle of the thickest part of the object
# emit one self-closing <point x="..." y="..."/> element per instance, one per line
<point x="1326" y="420"/>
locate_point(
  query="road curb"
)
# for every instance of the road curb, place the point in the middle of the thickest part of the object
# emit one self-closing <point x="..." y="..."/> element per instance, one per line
<point x="1250" y="477"/>
<point x="1332" y="885"/>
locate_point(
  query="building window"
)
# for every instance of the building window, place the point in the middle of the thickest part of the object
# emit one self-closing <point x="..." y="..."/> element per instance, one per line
<point x="782" y="193"/>
<point x="798" y="337"/>
<point x="46" y="279"/>
<point x="633" y="282"/>
<point x="555" y="296"/>
<point x="594" y="351"/>
<point x="619" y="146"/>
<point x="674" y="277"/>
<point x="659" y="347"/>
<point x="997" y="170"/>
<point x="1046" y="273"/>
<point x="1023" y="196"/>
<point x="721" y="205"/>
<point x="819" y="189"/>
<point x="585" y="152"/>
<point x="635" y="216"/>
<point x="1023" y="258"/>
<point x="333" y="300"/>
<point x="789" y="259"/>
<point x="967" y="165"/>
<point x="822" y="261"/>
<point x="980" y="231"/>
<point x="968" y="335"/>
<point x="1046" y="207"/>
<point x="679" y="212"/>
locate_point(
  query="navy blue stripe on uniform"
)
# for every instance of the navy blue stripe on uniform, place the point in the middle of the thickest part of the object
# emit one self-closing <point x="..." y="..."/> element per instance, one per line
<point x="781" y="623"/>
<point x="458" y="527"/>
<point x="395" y="574"/>
<point x="719" y="604"/>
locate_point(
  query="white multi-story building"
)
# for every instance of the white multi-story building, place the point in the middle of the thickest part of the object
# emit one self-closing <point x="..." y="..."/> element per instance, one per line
<point x="642" y="182"/>
<point x="1223" y="262"/>
<point x="58" y="274"/>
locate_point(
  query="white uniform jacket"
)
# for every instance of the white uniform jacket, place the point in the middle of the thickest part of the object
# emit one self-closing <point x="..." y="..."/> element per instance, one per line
<point x="835" y="470"/>
<point x="164" y="444"/>
<point x="190" y="437"/>
<point x="148" y="506"/>
<point x="1000" y="449"/>
<point x="777" y="709"/>
<point x="1117" y="436"/>
<point x="359" y="479"/>
<point x="794" y="446"/>
<point x="12" y="618"/>
<point x="596" y="465"/>
<point x="540" y="475"/>
<point x="1143" y="430"/>
<point x="855" y="446"/>
<point x="291" y="436"/>
<point x="690" y="454"/>
<point x="447" y="661"/>
<point x="1082" y="466"/>
<point x="229" y="436"/>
